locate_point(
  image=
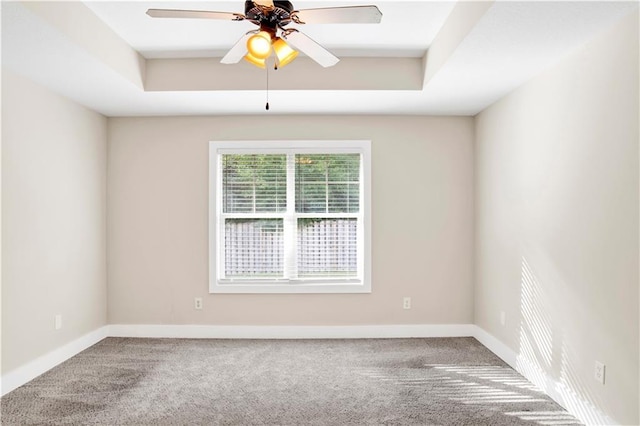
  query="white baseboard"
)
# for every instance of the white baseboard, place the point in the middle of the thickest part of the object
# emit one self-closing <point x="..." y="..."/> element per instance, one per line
<point x="21" y="375"/>
<point x="583" y="410"/>
<point x="292" y="332"/>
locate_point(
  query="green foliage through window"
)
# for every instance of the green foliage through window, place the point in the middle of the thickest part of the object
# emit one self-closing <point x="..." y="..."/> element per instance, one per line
<point x="254" y="183"/>
<point x="323" y="235"/>
<point x="327" y="183"/>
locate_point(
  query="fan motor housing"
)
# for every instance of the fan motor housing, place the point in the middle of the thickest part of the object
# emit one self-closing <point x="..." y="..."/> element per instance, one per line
<point x="279" y="15"/>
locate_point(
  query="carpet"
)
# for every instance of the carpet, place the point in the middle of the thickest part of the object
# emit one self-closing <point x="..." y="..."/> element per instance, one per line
<point x="127" y="381"/>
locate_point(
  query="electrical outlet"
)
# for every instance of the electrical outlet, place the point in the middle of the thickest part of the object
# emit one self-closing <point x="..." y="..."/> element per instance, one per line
<point x="599" y="371"/>
<point x="503" y="318"/>
<point x="58" y="322"/>
<point x="406" y="303"/>
<point x="198" y="303"/>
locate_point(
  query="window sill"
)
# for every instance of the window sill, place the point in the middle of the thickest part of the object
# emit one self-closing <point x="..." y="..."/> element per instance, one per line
<point x="298" y="287"/>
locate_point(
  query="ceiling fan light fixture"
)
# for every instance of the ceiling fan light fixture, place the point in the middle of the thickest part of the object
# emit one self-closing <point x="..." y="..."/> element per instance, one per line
<point x="259" y="45"/>
<point x="284" y="52"/>
<point x="271" y="16"/>
<point x="258" y="62"/>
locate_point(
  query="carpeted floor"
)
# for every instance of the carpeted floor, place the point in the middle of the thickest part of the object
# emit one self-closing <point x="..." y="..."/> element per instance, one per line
<point x="452" y="381"/>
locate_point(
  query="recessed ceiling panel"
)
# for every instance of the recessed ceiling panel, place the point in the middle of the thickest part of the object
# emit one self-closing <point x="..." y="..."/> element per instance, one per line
<point x="509" y="44"/>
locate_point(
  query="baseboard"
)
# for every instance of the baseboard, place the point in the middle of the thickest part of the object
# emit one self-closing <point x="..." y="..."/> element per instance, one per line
<point x="292" y="332"/>
<point x="21" y="375"/>
<point x="583" y="410"/>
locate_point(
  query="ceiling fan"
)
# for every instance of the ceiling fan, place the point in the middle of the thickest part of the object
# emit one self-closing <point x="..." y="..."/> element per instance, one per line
<point x="272" y="17"/>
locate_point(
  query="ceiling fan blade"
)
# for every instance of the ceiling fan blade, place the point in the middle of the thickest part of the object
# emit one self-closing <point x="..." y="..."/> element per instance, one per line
<point x="265" y="3"/>
<point x="197" y="14"/>
<point x="338" y="15"/>
<point x="238" y="50"/>
<point x="306" y="45"/>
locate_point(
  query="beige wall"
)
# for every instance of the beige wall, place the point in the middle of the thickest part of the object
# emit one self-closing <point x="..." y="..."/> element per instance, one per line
<point x="557" y="221"/>
<point x="421" y="214"/>
<point x="53" y="220"/>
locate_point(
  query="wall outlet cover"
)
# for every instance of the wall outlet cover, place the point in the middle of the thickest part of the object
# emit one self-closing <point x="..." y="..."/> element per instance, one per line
<point x="58" y="322"/>
<point x="406" y="303"/>
<point x="599" y="372"/>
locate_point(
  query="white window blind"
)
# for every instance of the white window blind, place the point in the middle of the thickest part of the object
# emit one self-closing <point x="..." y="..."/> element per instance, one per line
<point x="254" y="183"/>
<point x="327" y="247"/>
<point x="289" y="219"/>
<point x="253" y="248"/>
<point x="327" y="183"/>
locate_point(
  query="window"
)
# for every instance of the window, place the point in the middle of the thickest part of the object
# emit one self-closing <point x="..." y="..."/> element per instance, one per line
<point x="289" y="217"/>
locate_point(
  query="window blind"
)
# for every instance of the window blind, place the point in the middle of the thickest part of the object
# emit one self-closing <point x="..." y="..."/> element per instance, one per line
<point x="254" y="183"/>
<point x="327" y="247"/>
<point x="290" y="216"/>
<point x="327" y="183"/>
<point x="254" y="248"/>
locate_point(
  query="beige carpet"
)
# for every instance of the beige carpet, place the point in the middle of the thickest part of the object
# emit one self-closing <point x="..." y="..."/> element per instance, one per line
<point x="452" y="381"/>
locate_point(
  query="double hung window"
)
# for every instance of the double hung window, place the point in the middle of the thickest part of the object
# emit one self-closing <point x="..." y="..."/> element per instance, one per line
<point x="290" y="217"/>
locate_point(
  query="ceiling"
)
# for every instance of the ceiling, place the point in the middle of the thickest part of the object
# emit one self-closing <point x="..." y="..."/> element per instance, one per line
<point x="425" y="58"/>
<point x="402" y="32"/>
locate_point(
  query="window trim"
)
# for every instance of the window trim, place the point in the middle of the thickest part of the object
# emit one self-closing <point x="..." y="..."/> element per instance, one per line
<point x="347" y="285"/>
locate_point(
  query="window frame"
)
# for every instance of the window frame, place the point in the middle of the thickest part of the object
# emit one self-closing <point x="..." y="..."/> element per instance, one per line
<point x="360" y="284"/>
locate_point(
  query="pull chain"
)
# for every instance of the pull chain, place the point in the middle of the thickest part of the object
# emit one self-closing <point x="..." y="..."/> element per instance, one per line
<point x="267" y="105"/>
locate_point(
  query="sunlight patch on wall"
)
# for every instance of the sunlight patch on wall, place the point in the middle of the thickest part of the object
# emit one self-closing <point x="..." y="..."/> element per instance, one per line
<point x="536" y="335"/>
<point x="581" y="403"/>
<point x="544" y="350"/>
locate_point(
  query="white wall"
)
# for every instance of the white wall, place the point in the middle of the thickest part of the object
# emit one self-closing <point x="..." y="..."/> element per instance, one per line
<point x="557" y="221"/>
<point x="422" y="219"/>
<point x="53" y="220"/>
